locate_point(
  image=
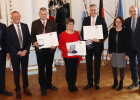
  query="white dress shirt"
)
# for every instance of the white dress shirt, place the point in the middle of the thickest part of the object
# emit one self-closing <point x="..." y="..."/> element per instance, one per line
<point x="93" y="19"/>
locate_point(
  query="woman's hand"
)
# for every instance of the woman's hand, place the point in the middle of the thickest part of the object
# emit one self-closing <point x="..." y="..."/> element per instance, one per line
<point x="68" y="51"/>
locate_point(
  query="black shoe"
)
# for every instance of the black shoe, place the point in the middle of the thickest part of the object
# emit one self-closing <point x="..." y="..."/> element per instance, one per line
<point x="43" y="93"/>
<point x="27" y="92"/>
<point x="88" y="86"/>
<point x="115" y="84"/>
<point x="5" y="92"/>
<point x="18" y="95"/>
<point x="97" y="87"/>
<point x="120" y="87"/>
<point x="73" y="89"/>
<point x="52" y="87"/>
<point x="133" y="85"/>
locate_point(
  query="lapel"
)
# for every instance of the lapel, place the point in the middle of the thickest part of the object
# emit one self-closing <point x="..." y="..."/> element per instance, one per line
<point x="137" y="24"/>
<point x="48" y="26"/>
<point x="97" y="21"/>
<point x="23" y="32"/>
<point x="40" y="26"/>
<point x="14" y="33"/>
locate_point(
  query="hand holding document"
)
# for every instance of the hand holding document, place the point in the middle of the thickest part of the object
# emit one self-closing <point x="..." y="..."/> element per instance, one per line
<point x="93" y="32"/>
<point x="76" y="48"/>
<point x="47" y="40"/>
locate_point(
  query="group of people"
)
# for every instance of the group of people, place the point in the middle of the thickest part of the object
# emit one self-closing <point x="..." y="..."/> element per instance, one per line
<point x="124" y="44"/>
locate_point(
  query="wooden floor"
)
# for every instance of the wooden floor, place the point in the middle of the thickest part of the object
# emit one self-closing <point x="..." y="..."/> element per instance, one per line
<point x="105" y="93"/>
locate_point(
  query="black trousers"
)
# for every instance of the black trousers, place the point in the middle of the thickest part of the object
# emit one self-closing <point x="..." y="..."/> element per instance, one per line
<point x="115" y="73"/>
<point x="96" y="52"/>
<point x="2" y="70"/>
<point x="16" y="62"/>
<point x="45" y="60"/>
<point x="135" y="70"/>
<point x="71" y="71"/>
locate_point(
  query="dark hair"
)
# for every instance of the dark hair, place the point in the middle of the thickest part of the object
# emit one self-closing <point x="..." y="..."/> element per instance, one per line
<point x="69" y="20"/>
<point x="61" y="3"/>
<point x="122" y="21"/>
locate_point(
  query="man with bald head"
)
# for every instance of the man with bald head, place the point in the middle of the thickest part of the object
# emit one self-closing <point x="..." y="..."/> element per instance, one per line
<point x="133" y="25"/>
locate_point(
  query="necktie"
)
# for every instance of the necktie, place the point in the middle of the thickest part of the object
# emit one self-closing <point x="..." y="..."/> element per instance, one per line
<point x="133" y="24"/>
<point x="20" y="36"/>
<point x="44" y="25"/>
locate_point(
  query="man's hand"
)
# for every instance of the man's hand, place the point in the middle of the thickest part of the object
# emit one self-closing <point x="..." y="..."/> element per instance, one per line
<point x="8" y="56"/>
<point x="95" y="40"/>
<point x="53" y="47"/>
<point x="126" y="57"/>
<point x="20" y="53"/>
<point x="35" y="44"/>
<point x="24" y="52"/>
<point x="110" y="55"/>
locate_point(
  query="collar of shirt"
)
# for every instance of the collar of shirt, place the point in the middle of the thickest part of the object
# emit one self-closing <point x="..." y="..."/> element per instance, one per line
<point x="93" y="18"/>
<point x="44" y="21"/>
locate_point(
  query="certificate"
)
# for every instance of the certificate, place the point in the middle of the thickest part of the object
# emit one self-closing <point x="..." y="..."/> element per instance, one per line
<point x="91" y="32"/>
<point x="47" y="40"/>
<point x="76" y="48"/>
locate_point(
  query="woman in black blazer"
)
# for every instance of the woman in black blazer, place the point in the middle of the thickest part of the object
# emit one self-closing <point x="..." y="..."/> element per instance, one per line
<point x="118" y="50"/>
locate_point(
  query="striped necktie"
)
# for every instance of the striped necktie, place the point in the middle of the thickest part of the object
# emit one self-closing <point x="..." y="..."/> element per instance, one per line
<point x="133" y="24"/>
<point x="20" y="36"/>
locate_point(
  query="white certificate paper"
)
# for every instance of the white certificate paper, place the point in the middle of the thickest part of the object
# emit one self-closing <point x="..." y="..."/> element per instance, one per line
<point x="91" y="32"/>
<point x="78" y="46"/>
<point x="47" y="40"/>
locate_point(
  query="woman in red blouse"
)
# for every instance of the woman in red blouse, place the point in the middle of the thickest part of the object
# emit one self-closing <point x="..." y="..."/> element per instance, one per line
<point x="71" y="62"/>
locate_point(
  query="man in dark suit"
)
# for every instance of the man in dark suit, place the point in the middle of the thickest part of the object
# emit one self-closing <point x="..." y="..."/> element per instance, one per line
<point x="3" y="60"/>
<point x="133" y="25"/>
<point x="61" y="17"/>
<point x="44" y="56"/>
<point x="18" y="46"/>
<point x="96" y="48"/>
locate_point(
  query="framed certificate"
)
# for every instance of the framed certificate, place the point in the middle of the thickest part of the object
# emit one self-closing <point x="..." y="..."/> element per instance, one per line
<point x="91" y="32"/>
<point x="47" y="40"/>
<point x="76" y="48"/>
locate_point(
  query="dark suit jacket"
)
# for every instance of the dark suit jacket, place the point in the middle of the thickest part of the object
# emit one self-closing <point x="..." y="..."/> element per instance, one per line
<point x="12" y="41"/>
<point x="2" y="36"/>
<point x="61" y="17"/>
<point x="134" y="36"/>
<point x="99" y="21"/>
<point x="122" y="45"/>
<point x="37" y="28"/>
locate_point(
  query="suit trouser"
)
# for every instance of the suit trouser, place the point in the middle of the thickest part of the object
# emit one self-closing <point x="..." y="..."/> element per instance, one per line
<point x="96" y="51"/>
<point x="135" y="72"/>
<point x="45" y="60"/>
<point x="16" y="62"/>
<point x="2" y="70"/>
<point x="71" y="71"/>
